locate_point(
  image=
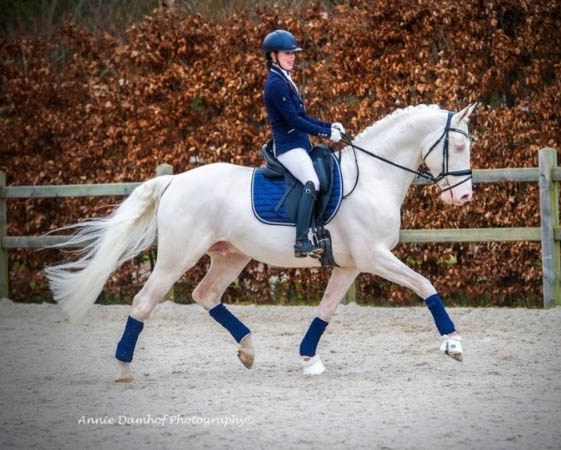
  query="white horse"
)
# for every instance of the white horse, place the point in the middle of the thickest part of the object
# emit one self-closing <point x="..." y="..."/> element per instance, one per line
<point x="208" y="210"/>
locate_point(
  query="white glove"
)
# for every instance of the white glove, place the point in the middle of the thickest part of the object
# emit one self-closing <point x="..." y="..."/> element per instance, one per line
<point x="335" y="135"/>
<point x="339" y="126"/>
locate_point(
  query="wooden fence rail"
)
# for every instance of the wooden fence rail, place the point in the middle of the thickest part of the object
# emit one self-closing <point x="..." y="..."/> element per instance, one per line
<point x="549" y="233"/>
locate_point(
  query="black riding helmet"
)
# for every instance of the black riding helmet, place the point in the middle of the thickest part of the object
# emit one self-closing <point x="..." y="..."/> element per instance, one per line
<point x="280" y="40"/>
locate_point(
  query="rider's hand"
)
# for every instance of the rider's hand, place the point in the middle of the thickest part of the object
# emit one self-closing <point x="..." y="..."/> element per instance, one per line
<point x="339" y="126"/>
<point x="335" y="135"/>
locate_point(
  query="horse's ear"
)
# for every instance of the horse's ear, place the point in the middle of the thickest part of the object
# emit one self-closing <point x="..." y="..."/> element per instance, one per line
<point x="465" y="113"/>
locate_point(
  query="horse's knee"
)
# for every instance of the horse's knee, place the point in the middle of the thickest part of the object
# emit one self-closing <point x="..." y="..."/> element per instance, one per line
<point x="326" y="311"/>
<point x="425" y="288"/>
<point x="141" y="307"/>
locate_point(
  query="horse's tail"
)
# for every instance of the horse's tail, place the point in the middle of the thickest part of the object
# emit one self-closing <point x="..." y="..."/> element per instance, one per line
<point x="109" y="242"/>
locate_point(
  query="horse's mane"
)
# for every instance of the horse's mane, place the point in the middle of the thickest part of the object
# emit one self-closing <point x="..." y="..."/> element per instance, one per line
<point x="394" y="115"/>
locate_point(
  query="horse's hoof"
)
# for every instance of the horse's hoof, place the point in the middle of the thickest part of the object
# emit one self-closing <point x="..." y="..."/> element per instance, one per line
<point x="456" y="356"/>
<point x="125" y="374"/>
<point x="452" y="346"/>
<point x="124" y="380"/>
<point x="246" y="358"/>
<point x="246" y="351"/>
<point x="313" y="366"/>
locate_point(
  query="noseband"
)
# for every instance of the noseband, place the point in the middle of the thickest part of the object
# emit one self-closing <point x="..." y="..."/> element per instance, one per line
<point x="420" y="173"/>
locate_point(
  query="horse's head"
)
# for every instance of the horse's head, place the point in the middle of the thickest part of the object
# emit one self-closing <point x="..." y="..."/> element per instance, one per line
<point x="447" y="155"/>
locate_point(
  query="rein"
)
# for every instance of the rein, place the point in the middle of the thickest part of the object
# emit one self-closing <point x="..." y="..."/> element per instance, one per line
<point x="347" y="139"/>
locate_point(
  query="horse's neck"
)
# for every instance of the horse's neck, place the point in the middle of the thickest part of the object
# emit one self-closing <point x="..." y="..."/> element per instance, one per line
<point x="397" y="140"/>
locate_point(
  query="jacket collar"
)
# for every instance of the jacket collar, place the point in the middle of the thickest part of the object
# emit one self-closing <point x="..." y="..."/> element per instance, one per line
<point x="281" y="73"/>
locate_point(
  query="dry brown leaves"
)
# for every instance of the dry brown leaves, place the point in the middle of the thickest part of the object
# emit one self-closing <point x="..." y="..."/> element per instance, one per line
<point x="90" y="109"/>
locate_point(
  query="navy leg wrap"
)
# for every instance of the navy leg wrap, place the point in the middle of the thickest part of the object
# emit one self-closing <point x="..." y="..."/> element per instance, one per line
<point x="443" y="322"/>
<point x="225" y="318"/>
<point x="311" y="339"/>
<point x="125" y="347"/>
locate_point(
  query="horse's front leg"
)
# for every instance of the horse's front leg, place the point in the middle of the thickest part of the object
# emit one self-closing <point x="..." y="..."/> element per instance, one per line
<point x="339" y="283"/>
<point x="383" y="262"/>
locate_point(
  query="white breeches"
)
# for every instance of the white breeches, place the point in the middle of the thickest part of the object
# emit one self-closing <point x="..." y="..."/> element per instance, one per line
<point x="299" y="164"/>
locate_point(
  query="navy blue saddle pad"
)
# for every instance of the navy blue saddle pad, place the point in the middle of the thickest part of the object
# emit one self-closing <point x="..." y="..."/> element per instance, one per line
<point x="267" y="192"/>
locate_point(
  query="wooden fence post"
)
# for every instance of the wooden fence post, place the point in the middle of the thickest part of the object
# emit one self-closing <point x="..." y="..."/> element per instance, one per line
<point x="549" y="211"/>
<point x="4" y="274"/>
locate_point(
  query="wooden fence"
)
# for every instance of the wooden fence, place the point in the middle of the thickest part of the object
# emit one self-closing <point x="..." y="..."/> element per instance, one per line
<point x="547" y="174"/>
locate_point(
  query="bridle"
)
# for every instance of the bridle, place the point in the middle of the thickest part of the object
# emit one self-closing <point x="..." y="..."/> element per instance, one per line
<point x="444" y="172"/>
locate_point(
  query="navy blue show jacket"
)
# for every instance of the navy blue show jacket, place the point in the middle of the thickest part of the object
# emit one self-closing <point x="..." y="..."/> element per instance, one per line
<point x="287" y="115"/>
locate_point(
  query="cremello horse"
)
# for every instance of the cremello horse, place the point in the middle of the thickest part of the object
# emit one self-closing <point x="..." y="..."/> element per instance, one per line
<point x="208" y="210"/>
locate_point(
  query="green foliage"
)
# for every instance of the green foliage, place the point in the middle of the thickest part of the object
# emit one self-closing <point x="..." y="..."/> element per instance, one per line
<point x="450" y="261"/>
<point x="113" y="16"/>
<point x="44" y="16"/>
<point x="21" y="13"/>
<point x="198" y="104"/>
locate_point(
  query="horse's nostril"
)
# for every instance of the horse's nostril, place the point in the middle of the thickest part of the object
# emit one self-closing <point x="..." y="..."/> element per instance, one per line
<point x="465" y="198"/>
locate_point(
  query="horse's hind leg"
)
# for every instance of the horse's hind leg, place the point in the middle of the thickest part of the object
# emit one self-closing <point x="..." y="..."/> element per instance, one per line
<point x="226" y="264"/>
<point x="170" y="265"/>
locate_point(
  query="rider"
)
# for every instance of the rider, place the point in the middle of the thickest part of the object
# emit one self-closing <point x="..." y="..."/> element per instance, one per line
<point x="291" y="129"/>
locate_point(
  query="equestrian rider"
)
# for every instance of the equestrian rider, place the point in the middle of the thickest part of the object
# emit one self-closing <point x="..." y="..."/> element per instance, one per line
<point x="291" y="129"/>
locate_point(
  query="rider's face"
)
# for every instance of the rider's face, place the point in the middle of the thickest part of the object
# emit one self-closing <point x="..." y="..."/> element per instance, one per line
<point x="285" y="60"/>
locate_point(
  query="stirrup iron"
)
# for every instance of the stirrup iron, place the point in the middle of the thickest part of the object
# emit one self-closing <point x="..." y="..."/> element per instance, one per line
<point x="304" y="248"/>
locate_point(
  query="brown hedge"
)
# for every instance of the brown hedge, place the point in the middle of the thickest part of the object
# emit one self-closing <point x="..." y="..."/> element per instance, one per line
<point x="84" y="108"/>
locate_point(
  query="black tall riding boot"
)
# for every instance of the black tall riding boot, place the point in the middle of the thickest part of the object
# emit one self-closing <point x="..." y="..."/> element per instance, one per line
<point x="304" y="247"/>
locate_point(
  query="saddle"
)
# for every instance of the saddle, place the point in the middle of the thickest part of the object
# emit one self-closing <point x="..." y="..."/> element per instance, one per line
<point x="329" y="196"/>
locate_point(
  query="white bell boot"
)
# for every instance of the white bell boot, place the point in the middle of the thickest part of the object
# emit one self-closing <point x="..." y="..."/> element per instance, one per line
<point x="313" y="365"/>
<point x="451" y="344"/>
